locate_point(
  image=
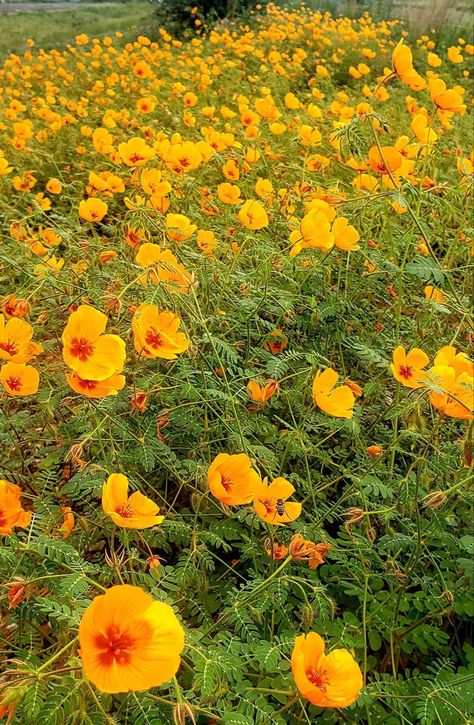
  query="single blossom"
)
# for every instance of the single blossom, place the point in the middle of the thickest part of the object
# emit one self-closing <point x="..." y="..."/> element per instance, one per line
<point x="332" y="680"/>
<point x="232" y="479"/>
<point x="129" y="641"/>
<point x="130" y="512"/>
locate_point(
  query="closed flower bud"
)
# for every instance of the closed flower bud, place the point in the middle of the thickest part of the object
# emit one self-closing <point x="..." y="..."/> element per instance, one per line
<point x="374" y="451"/>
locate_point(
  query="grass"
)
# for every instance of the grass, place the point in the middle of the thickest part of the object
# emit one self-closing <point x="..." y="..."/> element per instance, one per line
<point x="56" y="28"/>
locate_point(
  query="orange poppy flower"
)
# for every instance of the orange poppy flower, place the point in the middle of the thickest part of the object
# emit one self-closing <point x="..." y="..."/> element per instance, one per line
<point x="229" y="193"/>
<point x="386" y="162"/>
<point x="92" y="210"/>
<point x="408" y="368"/>
<point x="129" y="641"/>
<point x="86" y="350"/>
<point x="402" y="62"/>
<point x="96" y="388"/>
<point x="457" y="360"/>
<point x="19" y="379"/>
<point x="252" y="215"/>
<point x="15" y="341"/>
<point x="332" y="680"/>
<point x="135" y="152"/>
<point x="178" y="227"/>
<point x="11" y="512"/>
<point x="130" y="512"/>
<point x="314" y="232"/>
<point x="261" y="393"/>
<point x="232" y="479"/>
<point x="452" y="393"/>
<point x="338" y="402"/>
<point x="269" y="502"/>
<point x="163" y="266"/>
<point x="156" y="333"/>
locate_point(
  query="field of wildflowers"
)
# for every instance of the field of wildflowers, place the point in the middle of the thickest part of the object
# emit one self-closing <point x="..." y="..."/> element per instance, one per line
<point x="236" y="391"/>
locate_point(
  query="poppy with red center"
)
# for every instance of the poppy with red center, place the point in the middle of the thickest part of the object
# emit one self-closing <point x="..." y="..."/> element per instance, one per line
<point x="15" y="341"/>
<point x="96" y="388"/>
<point x="232" y="479"/>
<point x="19" y="379"/>
<point x="129" y="641"/>
<point x="156" y="333"/>
<point x="130" y="512"/>
<point x="332" y="680"/>
<point x="270" y="502"/>
<point x="408" y="368"/>
<point x="87" y="351"/>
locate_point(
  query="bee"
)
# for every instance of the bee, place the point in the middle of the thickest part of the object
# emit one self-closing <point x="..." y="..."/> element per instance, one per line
<point x="280" y="507"/>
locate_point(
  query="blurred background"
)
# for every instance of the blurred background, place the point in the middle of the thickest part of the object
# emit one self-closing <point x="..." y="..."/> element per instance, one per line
<point x="54" y="23"/>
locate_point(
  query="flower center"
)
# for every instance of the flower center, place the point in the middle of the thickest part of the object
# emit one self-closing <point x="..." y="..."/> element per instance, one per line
<point x="14" y="383"/>
<point x="133" y="158"/>
<point x="87" y="384"/>
<point x="9" y="347"/>
<point x="125" y="511"/>
<point x="269" y="505"/>
<point x="406" y="371"/>
<point x="153" y="338"/>
<point x="115" y="646"/>
<point x="317" y="677"/>
<point x="226" y="483"/>
<point x="81" y="348"/>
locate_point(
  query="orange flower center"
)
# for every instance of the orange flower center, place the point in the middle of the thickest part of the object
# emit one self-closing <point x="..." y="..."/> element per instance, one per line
<point x="125" y="511"/>
<point x="406" y="371"/>
<point x="317" y="677"/>
<point x="9" y="347"/>
<point x="153" y="338"/>
<point x="14" y="383"/>
<point x="81" y="348"/>
<point x="133" y="158"/>
<point x="184" y="162"/>
<point x="115" y="646"/>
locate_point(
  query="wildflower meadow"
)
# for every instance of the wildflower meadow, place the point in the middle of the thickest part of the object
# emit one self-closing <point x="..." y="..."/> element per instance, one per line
<point x="235" y="387"/>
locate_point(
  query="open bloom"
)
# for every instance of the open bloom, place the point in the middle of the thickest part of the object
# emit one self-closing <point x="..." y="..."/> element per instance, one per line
<point x="163" y="266"/>
<point x="332" y="680"/>
<point x="92" y="210"/>
<point x="338" y="402"/>
<point x="452" y="393"/>
<point x="96" y="388"/>
<point x="270" y="502"/>
<point x="135" y="152"/>
<point x="11" y="512"/>
<point x="86" y="350"/>
<point x="129" y="641"/>
<point x="15" y="341"/>
<point x="408" y="368"/>
<point x="252" y="215"/>
<point x="19" y="379"/>
<point x="457" y="360"/>
<point x="232" y="479"/>
<point x="314" y="232"/>
<point x="178" y="227"/>
<point x="156" y="333"/>
<point x="130" y="512"/>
